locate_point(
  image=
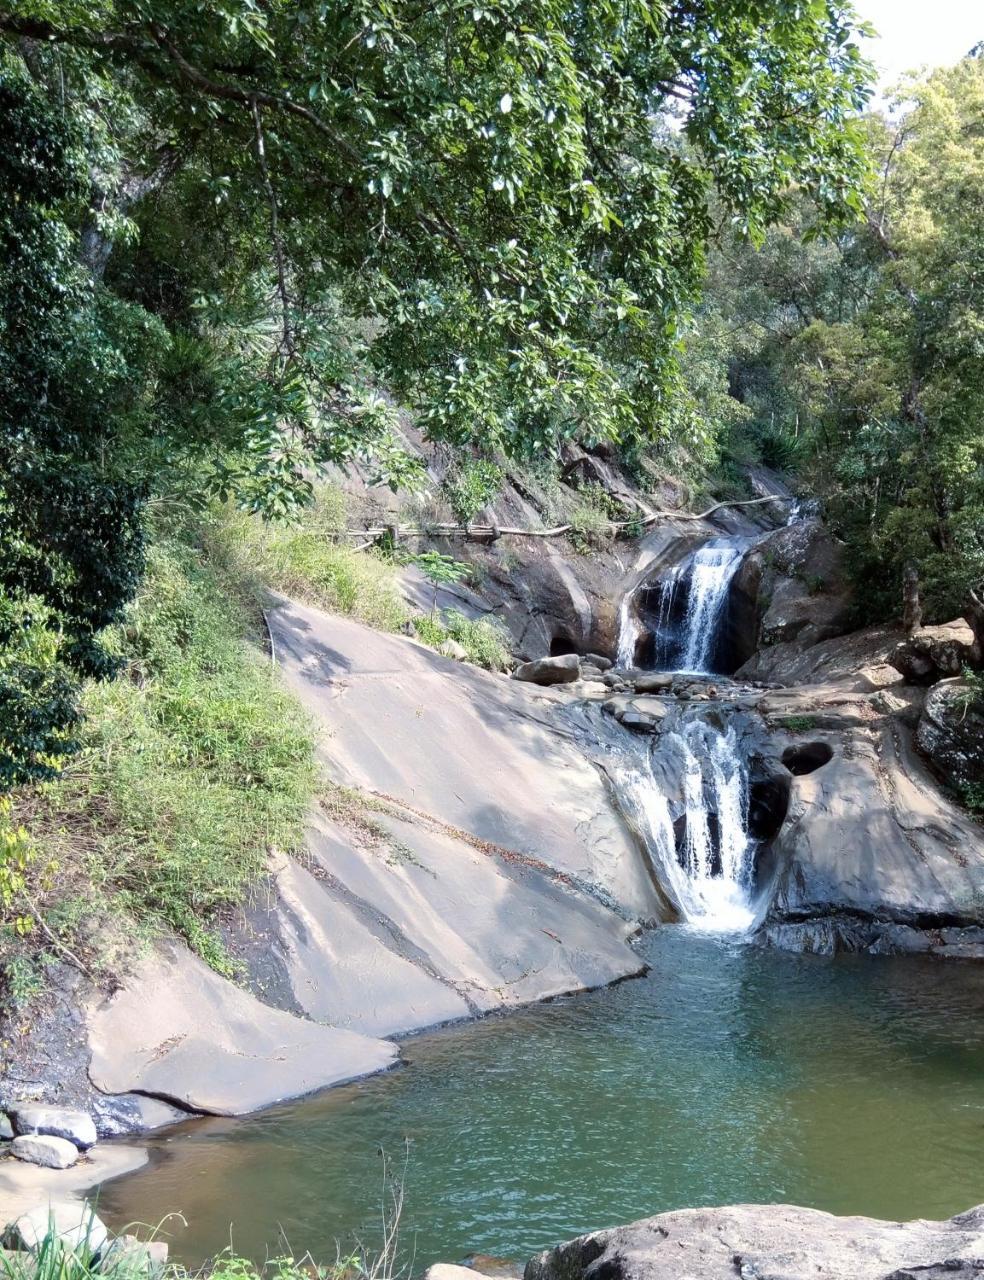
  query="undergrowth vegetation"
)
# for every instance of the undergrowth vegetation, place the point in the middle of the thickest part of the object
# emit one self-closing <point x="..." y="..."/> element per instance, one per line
<point x="195" y="763"/>
<point x="305" y="560"/>
<point x="485" y="643"/>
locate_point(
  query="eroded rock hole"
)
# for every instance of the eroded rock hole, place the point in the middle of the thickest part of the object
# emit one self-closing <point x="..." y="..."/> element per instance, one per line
<point x="560" y="645"/>
<point x="768" y="801"/>
<point x="807" y="758"/>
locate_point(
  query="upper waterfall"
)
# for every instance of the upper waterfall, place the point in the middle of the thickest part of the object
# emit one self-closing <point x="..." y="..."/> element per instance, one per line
<point x="691" y="603"/>
<point x="712" y="568"/>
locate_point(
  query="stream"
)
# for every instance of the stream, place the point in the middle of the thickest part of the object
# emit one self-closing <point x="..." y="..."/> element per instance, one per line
<point x="727" y="1074"/>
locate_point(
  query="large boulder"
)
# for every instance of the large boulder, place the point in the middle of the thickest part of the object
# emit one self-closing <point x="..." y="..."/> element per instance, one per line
<point x="770" y="1242"/>
<point x="48" y="1152"/>
<point x="951" y="733"/>
<point x="564" y="669"/>
<point x="935" y="653"/>
<point x="59" y="1122"/>
<point x="869" y="836"/>
<point x="796" y="581"/>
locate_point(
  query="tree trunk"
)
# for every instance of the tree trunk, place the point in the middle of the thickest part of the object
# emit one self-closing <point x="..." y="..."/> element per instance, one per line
<point x="974" y="615"/>
<point x="911" y="606"/>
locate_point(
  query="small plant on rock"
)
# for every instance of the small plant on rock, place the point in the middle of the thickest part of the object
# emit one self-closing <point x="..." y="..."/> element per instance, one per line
<point x="471" y="487"/>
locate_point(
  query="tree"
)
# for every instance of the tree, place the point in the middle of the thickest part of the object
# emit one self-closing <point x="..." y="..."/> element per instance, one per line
<point x="226" y="227"/>
<point x="490" y="185"/>
<point x="859" y="357"/>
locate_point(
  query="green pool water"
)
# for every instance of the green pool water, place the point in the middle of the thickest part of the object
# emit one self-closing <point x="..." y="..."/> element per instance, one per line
<point x="727" y="1074"/>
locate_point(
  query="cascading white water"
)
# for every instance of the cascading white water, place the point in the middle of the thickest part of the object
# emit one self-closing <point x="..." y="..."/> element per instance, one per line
<point x="686" y="645"/>
<point x="709" y="867"/>
<point x="628" y="633"/>
<point x="712" y="568"/>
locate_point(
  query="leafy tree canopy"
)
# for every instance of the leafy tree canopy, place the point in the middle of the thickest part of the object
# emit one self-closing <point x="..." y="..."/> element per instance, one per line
<point x="859" y="360"/>
<point x="492" y="190"/>
<point x="225" y="227"/>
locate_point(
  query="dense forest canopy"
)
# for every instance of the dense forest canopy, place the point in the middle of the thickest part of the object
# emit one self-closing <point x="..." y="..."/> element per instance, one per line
<point x="857" y="361"/>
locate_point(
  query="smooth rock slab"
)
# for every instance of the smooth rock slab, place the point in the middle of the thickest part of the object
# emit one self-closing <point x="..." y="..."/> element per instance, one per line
<point x="473" y="750"/>
<point x="72" y="1221"/>
<point x="75" y="1126"/>
<point x="50" y="1153"/>
<point x="180" y="1032"/>
<point x="769" y="1242"/>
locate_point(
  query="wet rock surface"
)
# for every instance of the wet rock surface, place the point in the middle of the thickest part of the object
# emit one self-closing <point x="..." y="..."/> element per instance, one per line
<point x="769" y="1242"/>
<point x="75" y="1126"/>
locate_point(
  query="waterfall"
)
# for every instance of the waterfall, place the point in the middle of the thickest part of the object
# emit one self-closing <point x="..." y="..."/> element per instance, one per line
<point x="706" y="856"/>
<point x="684" y="637"/>
<point x="628" y="633"/>
<point x="712" y="568"/>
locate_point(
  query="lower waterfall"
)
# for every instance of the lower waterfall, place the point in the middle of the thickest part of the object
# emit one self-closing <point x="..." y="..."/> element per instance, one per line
<point x="705" y="854"/>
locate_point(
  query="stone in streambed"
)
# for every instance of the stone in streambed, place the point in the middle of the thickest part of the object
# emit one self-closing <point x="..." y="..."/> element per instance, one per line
<point x="653" y="682"/>
<point x="6" y="1128"/>
<point x="71" y="1221"/>
<point x="597" y="660"/>
<point x="58" y="1122"/>
<point x="448" y="1271"/>
<point x="564" y="669"/>
<point x="40" y="1148"/>
<point x="643" y="715"/>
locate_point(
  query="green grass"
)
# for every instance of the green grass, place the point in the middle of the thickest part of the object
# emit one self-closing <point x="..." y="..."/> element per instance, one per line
<point x="196" y="764"/>
<point x="797" y="723"/>
<point x="484" y="642"/>
<point x="306" y="562"/>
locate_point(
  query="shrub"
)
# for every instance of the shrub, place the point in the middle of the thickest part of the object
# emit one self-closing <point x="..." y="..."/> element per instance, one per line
<point x="485" y="642"/>
<point x="470" y="487"/>
<point x="591" y="520"/>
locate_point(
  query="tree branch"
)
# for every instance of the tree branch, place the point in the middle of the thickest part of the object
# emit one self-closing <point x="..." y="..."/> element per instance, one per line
<point x="450" y="529"/>
<point x="278" y="243"/>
